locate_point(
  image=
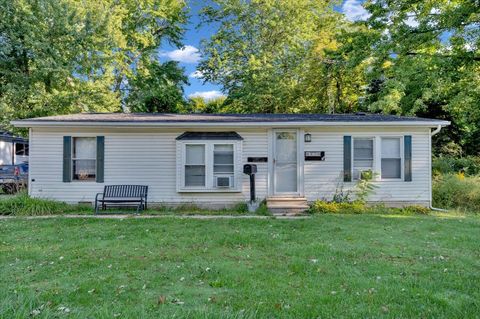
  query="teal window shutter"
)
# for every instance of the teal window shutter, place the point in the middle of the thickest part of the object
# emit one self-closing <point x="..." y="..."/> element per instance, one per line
<point x="347" y="158"/>
<point x="407" y="151"/>
<point x="67" y="159"/>
<point x="100" y="159"/>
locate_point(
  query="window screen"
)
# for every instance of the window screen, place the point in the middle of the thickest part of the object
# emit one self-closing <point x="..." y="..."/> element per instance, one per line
<point x="195" y="165"/>
<point x="223" y="159"/>
<point x="84" y="158"/>
<point x="391" y="158"/>
<point x="362" y="156"/>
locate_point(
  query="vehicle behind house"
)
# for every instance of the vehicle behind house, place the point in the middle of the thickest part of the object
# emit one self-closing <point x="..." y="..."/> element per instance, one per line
<point x="13" y="177"/>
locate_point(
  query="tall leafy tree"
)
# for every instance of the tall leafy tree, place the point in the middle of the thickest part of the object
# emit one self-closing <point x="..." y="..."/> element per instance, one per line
<point x="276" y="56"/>
<point x="423" y="58"/>
<point x="64" y="56"/>
<point x="157" y="87"/>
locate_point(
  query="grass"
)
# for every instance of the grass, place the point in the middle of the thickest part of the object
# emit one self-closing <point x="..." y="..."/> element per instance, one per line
<point x="354" y="266"/>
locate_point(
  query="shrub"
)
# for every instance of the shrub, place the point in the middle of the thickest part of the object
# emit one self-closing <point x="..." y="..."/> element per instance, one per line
<point x="323" y="207"/>
<point x="470" y="165"/>
<point x="358" y="207"/>
<point x="457" y="191"/>
<point x="24" y="205"/>
<point x="415" y="210"/>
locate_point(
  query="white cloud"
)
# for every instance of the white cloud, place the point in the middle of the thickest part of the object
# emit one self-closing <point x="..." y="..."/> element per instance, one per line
<point x="187" y="54"/>
<point x="354" y="10"/>
<point x="196" y="74"/>
<point x="207" y="95"/>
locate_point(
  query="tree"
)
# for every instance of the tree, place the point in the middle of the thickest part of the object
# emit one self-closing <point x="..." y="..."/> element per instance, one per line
<point x="200" y="105"/>
<point x="279" y="56"/>
<point x="66" y="56"/>
<point x="422" y="58"/>
<point x="157" y="88"/>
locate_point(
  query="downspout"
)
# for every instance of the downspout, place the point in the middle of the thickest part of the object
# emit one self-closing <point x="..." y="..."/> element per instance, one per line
<point x="432" y="133"/>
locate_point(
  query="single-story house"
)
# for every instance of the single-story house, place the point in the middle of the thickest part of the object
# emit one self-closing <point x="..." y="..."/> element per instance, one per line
<point x="199" y="158"/>
<point x="13" y="149"/>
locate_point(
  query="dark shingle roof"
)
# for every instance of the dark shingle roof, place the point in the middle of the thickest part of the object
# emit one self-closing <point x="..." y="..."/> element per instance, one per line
<point x="224" y="136"/>
<point x="224" y="118"/>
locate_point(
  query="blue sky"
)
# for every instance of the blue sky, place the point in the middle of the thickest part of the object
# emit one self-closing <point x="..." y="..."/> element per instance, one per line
<point x="188" y="56"/>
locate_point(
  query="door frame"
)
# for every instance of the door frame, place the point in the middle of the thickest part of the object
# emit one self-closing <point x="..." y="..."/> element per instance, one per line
<point x="271" y="165"/>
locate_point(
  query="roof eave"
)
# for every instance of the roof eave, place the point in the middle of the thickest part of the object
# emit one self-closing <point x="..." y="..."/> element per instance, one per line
<point x="26" y="123"/>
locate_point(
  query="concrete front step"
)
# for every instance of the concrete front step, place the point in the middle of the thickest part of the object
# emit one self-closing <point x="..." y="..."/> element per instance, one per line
<point x="287" y="205"/>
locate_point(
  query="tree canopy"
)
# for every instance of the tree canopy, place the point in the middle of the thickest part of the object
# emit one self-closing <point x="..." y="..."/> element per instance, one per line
<point x="410" y="57"/>
<point x="66" y="56"/>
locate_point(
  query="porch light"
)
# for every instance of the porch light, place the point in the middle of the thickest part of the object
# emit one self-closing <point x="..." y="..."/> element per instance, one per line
<point x="308" y="138"/>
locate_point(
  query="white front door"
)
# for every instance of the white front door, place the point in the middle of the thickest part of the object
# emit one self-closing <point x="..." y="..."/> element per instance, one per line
<point x="285" y="162"/>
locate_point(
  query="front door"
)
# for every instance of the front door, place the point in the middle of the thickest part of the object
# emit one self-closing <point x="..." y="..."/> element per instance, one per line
<point x="285" y="162"/>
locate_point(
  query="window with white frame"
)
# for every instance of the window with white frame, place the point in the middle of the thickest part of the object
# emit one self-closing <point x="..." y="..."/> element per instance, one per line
<point x="363" y="152"/>
<point x="195" y="170"/>
<point x="209" y="166"/>
<point x="391" y="158"/>
<point x="84" y="160"/>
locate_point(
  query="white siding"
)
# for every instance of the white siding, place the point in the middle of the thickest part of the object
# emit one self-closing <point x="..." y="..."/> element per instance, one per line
<point x="147" y="156"/>
<point x="323" y="178"/>
<point x="134" y="156"/>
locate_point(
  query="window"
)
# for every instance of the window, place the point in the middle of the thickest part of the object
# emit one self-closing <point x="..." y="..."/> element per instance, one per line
<point x="21" y="149"/>
<point x="223" y="159"/>
<point x="391" y="158"/>
<point x="84" y="158"/>
<point x="208" y="166"/>
<point x="362" y="156"/>
<point x="195" y="165"/>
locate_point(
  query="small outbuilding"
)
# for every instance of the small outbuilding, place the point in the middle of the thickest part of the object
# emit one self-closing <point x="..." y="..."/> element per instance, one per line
<point x="199" y="158"/>
<point x="13" y="149"/>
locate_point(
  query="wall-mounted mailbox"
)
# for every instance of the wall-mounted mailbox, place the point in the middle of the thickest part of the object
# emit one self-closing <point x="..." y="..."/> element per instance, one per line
<point x="257" y="159"/>
<point x="250" y="169"/>
<point x="314" y="155"/>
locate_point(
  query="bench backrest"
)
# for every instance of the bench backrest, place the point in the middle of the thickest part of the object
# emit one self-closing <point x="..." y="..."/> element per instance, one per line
<point x="125" y="191"/>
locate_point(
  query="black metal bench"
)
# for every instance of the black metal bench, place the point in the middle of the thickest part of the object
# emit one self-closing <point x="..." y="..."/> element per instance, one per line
<point x="134" y="195"/>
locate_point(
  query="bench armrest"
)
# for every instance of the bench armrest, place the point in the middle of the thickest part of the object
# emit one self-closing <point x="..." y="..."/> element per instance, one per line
<point x="96" y="196"/>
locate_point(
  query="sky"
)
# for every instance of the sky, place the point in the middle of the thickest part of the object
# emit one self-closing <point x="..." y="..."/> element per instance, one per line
<point x="189" y="55"/>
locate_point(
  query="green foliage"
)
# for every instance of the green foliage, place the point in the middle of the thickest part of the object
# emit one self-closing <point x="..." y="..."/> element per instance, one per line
<point x="470" y="165"/>
<point x="24" y="205"/>
<point x="457" y="191"/>
<point x="157" y="87"/>
<point x="323" y="207"/>
<point x="64" y="56"/>
<point x="200" y="105"/>
<point x="279" y="56"/>
<point x="422" y="58"/>
<point x="364" y="186"/>
<point x="358" y="207"/>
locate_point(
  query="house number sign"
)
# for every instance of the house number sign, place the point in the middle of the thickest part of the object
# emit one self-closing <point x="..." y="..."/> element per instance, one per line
<point x="314" y="155"/>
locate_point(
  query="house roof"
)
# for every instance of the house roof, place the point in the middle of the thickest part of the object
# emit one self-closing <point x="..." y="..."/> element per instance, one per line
<point x="224" y="136"/>
<point x="164" y="119"/>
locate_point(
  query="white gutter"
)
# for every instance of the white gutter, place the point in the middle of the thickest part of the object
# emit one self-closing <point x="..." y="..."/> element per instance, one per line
<point x="432" y="133"/>
<point x="27" y="123"/>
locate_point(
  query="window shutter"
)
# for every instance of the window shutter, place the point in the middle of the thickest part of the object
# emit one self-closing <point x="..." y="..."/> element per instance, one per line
<point x="407" y="151"/>
<point x="100" y="159"/>
<point x="347" y="158"/>
<point x="67" y="159"/>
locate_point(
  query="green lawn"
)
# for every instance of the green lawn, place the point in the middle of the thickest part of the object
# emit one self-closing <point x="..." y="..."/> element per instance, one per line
<point x="363" y="266"/>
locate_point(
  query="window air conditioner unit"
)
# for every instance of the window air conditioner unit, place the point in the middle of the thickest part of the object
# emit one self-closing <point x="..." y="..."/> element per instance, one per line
<point x="224" y="181"/>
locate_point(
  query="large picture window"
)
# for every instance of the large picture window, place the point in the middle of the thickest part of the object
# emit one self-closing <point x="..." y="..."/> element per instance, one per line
<point x="391" y="158"/>
<point x="84" y="158"/>
<point x="362" y="156"/>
